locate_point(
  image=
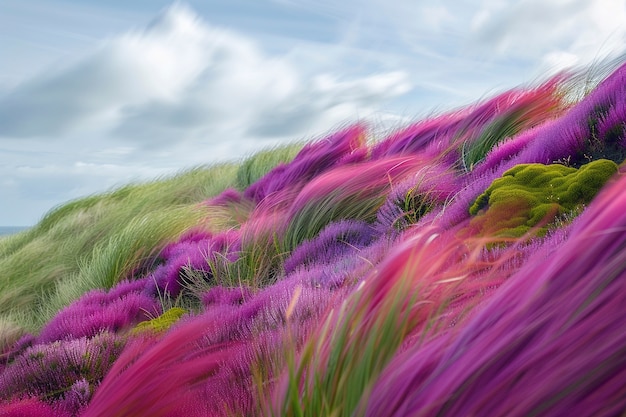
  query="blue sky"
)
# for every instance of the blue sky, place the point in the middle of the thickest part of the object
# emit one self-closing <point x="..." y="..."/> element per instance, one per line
<point x="95" y="95"/>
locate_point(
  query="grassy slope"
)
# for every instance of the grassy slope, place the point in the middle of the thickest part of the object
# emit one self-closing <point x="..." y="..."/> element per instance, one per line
<point x="92" y="242"/>
<point x="415" y="301"/>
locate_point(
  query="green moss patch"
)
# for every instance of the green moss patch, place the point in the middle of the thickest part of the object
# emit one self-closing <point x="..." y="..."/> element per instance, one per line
<point x="534" y="195"/>
<point x="163" y="322"/>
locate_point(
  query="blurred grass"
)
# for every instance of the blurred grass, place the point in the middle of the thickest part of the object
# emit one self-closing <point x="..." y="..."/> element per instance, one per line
<point x="337" y="367"/>
<point x="262" y="162"/>
<point x="96" y="241"/>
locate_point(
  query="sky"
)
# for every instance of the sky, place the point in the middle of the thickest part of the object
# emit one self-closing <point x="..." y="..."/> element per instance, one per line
<point x="95" y="95"/>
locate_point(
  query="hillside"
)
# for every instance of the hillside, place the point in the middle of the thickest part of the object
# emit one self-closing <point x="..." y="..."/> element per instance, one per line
<point x="470" y="263"/>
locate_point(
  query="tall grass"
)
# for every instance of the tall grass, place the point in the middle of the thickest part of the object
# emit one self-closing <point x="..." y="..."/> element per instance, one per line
<point x="97" y="241"/>
<point x="259" y="164"/>
<point x="424" y="286"/>
<point x="514" y="112"/>
<point x="546" y="343"/>
<point x="339" y="278"/>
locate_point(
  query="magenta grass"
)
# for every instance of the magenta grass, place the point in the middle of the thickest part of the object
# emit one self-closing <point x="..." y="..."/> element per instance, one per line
<point x="547" y="342"/>
<point x="349" y="282"/>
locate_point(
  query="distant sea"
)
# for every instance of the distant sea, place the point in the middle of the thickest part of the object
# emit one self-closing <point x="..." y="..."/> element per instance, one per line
<point x="9" y="230"/>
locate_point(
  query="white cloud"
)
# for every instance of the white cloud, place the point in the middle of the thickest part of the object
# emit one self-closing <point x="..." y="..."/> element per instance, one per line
<point x="558" y="33"/>
<point x="181" y="79"/>
<point x="435" y="16"/>
<point x="181" y="91"/>
<point x="327" y="101"/>
<point x="72" y="179"/>
<point x="28" y="191"/>
<point x="176" y="93"/>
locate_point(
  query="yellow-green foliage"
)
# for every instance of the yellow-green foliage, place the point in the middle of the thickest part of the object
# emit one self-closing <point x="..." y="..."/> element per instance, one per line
<point x="528" y="195"/>
<point x="161" y="323"/>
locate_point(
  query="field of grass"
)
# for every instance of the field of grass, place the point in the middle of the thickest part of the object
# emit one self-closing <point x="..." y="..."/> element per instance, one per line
<point x="97" y="241"/>
<point x="472" y="263"/>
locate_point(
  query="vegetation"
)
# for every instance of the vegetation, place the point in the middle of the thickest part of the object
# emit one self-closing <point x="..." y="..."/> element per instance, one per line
<point x="530" y="195"/>
<point x="342" y="277"/>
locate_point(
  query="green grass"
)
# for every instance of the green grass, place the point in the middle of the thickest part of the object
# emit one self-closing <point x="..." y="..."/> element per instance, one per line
<point x="499" y="130"/>
<point x="336" y="369"/>
<point x="260" y="263"/>
<point x="262" y="162"/>
<point x="161" y="323"/>
<point x="338" y="205"/>
<point x="96" y="241"/>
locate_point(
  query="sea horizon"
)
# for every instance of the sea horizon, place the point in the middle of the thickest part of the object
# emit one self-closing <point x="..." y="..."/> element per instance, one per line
<point x="10" y="230"/>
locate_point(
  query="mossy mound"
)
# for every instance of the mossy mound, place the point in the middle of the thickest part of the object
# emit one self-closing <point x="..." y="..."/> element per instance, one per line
<point x="534" y="195"/>
<point x="161" y="323"/>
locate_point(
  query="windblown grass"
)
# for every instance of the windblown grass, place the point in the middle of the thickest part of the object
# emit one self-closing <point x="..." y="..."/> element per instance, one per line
<point x="342" y="278"/>
<point x="259" y="164"/>
<point x="97" y="241"/>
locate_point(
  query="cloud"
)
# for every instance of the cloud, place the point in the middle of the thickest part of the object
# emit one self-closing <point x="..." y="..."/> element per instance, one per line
<point x="560" y="33"/>
<point x="28" y="191"/>
<point x="180" y="91"/>
<point x="180" y="79"/>
<point x="327" y="101"/>
<point x="175" y="93"/>
<point x="155" y="64"/>
<point x="63" y="180"/>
